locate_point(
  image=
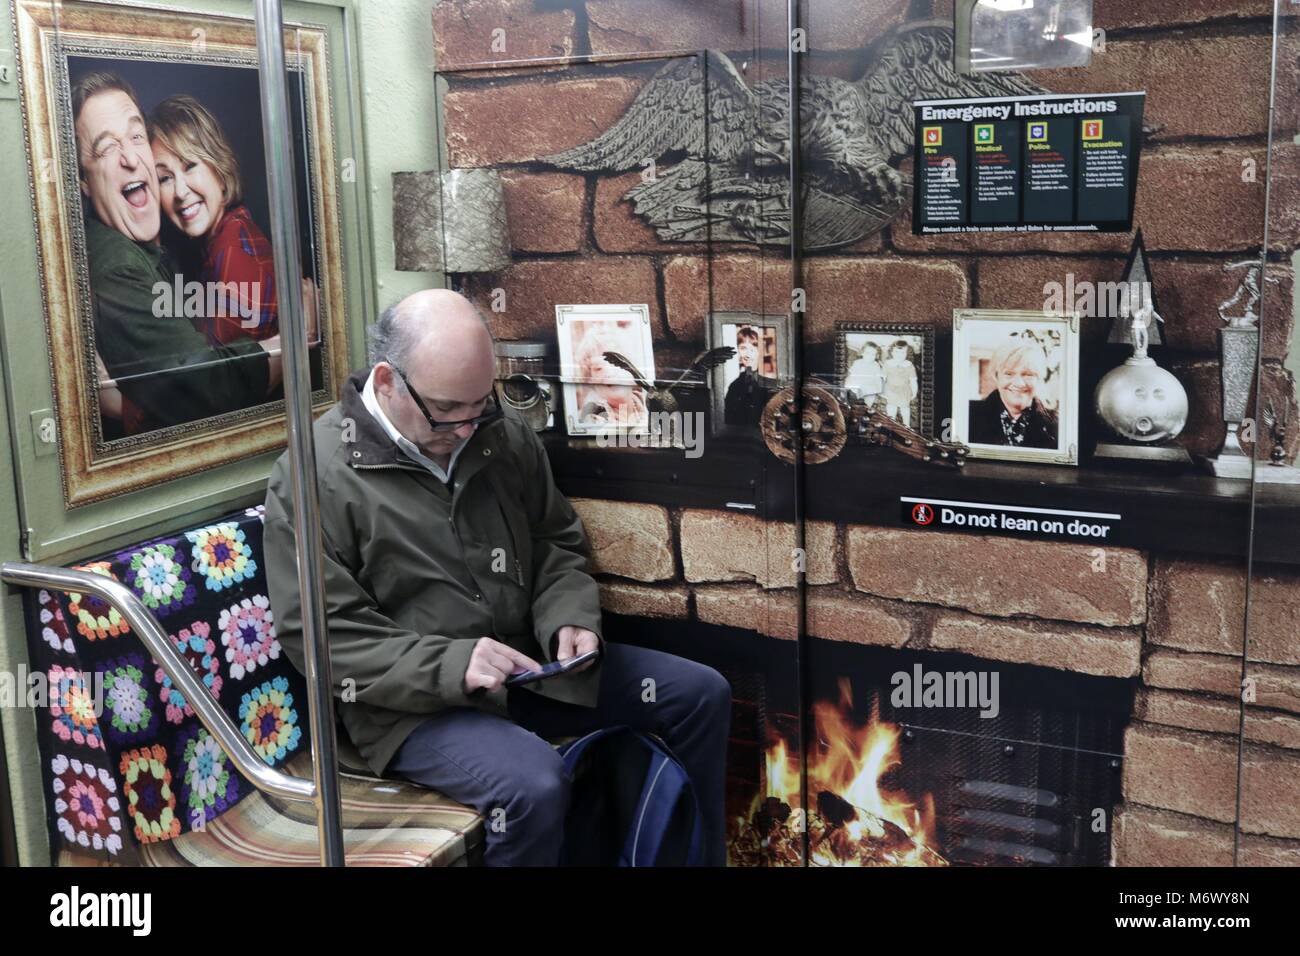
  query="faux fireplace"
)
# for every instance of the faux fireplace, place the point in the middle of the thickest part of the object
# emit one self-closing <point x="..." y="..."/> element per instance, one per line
<point x="1120" y="682"/>
<point x="926" y="783"/>
<point x="1031" y="779"/>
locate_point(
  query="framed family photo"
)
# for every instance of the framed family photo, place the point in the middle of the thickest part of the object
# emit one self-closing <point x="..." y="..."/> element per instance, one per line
<point x="1015" y="385"/>
<point x="149" y="192"/>
<point x="601" y="396"/>
<point x="741" y="386"/>
<point x="889" y="366"/>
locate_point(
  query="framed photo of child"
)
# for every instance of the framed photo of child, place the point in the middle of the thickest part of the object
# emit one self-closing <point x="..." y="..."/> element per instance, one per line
<point x="889" y="366"/>
<point x="763" y="362"/>
<point x="603" y="397"/>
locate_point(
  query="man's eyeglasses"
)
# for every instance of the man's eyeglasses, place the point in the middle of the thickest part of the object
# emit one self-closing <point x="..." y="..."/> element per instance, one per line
<point x="491" y="411"/>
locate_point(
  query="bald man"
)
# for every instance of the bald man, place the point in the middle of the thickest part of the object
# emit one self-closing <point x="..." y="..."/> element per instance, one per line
<point x="451" y="561"/>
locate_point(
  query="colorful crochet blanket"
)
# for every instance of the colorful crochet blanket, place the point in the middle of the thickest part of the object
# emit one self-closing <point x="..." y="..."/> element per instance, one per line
<point x="124" y="758"/>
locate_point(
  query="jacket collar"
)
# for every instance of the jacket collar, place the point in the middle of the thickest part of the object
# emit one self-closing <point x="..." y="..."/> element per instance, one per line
<point x="373" y="448"/>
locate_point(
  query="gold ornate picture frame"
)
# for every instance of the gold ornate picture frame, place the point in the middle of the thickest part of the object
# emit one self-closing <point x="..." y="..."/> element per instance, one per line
<point x="99" y="459"/>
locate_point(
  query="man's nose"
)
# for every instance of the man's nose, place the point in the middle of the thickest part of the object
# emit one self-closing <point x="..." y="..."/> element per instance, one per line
<point x="463" y="431"/>
<point x="131" y="157"/>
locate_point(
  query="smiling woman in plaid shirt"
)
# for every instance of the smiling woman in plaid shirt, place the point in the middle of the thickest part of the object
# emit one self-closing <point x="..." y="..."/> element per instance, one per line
<point x="200" y="192"/>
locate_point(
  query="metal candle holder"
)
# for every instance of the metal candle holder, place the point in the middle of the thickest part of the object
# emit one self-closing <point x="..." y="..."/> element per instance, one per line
<point x="452" y="222"/>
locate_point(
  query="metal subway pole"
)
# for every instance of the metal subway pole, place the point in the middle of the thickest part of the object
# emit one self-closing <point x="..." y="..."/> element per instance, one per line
<point x="273" y="81"/>
<point x="794" y="130"/>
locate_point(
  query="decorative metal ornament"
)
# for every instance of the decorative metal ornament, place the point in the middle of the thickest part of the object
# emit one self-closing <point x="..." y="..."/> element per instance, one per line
<point x="1277" y="431"/>
<point x="1278" y="472"/>
<point x="450" y="222"/>
<point x="1136" y="287"/>
<point x="1142" y="403"/>
<point x="660" y="397"/>
<point x="732" y="185"/>
<point x="822" y="426"/>
<point x="821" y="429"/>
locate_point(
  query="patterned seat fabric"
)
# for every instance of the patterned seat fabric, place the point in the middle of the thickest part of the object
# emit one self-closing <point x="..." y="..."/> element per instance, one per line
<point x="385" y="823"/>
<point x="133" y="777"/>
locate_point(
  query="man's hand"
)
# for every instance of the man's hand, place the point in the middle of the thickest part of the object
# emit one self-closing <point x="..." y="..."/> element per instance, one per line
<point x="492" y="662"/>
<point x="574" y="640"/>
<point x="110" y="396"/>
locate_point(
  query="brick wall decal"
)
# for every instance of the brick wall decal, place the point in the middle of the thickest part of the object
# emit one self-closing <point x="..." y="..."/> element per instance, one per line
<point x="1173" y="625"/>
<point x="577" y="240"/>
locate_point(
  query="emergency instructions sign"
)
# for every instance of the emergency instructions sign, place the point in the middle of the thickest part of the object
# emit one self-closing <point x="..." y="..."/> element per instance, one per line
<point x="1058" y="163"/>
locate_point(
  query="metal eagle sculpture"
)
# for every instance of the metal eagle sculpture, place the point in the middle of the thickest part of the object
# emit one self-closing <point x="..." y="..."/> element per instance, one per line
<point x="660" y="396"/>
<point x="721" y="173"/>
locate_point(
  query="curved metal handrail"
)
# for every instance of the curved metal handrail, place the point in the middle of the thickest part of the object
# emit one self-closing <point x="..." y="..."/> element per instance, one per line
<point x="146" y="627"/>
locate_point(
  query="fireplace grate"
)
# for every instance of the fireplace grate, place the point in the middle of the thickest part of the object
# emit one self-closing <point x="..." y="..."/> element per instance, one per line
<point x="1034" y="784"/>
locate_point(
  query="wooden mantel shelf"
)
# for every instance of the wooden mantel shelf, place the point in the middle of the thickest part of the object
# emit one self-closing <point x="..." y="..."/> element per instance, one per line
<point x="1189" y="512"/>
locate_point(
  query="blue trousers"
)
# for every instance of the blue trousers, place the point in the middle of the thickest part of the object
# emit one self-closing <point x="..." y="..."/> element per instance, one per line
<point x="505" y="770"/>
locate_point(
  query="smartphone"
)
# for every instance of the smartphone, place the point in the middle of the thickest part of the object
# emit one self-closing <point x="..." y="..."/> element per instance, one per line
<point x="550" y="670"/>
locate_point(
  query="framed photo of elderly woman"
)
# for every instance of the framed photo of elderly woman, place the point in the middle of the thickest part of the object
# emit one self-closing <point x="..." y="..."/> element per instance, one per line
<point x="151" y="203"/>
<point x="1015" y="385"/>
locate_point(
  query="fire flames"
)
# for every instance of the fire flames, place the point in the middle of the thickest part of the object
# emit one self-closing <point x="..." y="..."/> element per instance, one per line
<point x="855" y="820"/>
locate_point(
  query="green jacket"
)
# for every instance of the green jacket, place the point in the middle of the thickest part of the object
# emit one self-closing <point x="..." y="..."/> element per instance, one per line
<point x="162" y="363"/>
<point x="417" y="571"/>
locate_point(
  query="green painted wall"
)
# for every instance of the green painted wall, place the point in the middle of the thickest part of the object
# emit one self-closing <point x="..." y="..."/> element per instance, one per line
<point x="397" y="67"/>
<point x="381" y="46"/>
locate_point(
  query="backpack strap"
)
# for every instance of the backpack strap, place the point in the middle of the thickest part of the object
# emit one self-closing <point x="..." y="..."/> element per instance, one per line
<point x="572" y="752"/>
<point x="666" y="788"/>
<point x="667" y="785"/>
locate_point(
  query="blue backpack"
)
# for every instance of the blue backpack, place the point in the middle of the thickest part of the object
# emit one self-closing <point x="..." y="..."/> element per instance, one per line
<point x="632" y="803"/>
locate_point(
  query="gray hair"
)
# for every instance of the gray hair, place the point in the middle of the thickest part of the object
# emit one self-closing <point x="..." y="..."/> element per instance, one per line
<point x="387" y="340"/>
<point x="391" y="340"/>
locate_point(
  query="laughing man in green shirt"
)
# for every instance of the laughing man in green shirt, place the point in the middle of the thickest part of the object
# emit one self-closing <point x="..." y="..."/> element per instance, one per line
<point x="161" y="362"/>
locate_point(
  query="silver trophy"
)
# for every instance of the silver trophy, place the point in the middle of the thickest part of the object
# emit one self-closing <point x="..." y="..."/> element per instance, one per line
<point x="1239" y="348"/>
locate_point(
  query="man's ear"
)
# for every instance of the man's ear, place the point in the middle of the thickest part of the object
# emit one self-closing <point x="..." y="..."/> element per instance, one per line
<point x="81" y="181"/>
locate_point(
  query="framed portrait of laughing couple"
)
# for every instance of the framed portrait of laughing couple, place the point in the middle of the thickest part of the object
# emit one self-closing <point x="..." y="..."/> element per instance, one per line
<point x="148" y="180"/>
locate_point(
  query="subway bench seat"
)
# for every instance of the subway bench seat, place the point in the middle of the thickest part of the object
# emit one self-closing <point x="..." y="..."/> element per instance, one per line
<point x="385" y="823"/>
<point x="131" y="775"/>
